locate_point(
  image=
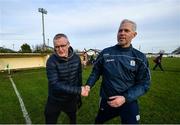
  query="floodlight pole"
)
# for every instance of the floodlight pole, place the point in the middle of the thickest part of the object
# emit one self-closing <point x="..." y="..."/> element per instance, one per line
<point x="43" y="11"/>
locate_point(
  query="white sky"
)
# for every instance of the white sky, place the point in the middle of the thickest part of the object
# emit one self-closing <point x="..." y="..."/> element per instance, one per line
<point x="91" y="23"/>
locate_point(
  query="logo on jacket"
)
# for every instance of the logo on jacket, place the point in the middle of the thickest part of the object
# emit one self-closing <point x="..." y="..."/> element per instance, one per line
<point x="109" y="60"/>
<point x="132" y="63"/>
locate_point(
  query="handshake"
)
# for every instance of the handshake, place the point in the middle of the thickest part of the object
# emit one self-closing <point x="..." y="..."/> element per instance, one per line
<point x="85" y="90"/>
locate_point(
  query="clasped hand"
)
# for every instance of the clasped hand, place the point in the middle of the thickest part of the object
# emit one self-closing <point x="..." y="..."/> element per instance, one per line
<point x="85" y="90"/>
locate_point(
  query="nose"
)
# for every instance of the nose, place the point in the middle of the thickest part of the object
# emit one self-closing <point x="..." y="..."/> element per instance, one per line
<point x="121" y="33"/>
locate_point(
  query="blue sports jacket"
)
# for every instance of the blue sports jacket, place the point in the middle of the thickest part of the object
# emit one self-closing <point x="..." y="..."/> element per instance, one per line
<point x="124" y="72"/>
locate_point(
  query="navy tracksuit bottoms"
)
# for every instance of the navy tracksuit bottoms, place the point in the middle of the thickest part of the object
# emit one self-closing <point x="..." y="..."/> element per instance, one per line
<point x="129" y="113"/>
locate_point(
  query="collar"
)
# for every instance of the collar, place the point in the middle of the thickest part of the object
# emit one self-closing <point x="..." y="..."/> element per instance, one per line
<point x="123" y="49"/>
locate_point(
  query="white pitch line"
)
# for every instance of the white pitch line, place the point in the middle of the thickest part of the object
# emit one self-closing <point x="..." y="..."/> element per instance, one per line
<point x="23" y="108"/>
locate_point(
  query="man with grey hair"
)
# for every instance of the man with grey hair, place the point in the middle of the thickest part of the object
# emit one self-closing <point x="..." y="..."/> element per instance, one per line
<point x="125" y="77"/>
<point x="64" y="75"/>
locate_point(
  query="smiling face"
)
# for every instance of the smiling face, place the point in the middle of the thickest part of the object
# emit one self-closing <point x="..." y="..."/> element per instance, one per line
<point x="125" y="34"/>
<point x="61" y="46"/>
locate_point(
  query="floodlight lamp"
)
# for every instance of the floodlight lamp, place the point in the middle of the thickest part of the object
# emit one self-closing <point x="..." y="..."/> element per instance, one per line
<point x="40" y="9"/>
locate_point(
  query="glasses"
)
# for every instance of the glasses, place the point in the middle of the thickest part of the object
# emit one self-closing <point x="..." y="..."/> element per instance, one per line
<point x="61" y="46"/>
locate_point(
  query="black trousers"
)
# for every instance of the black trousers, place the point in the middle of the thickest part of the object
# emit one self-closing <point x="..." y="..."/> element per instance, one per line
<point x="129" y="113"/>
<point x="54" y="108"/>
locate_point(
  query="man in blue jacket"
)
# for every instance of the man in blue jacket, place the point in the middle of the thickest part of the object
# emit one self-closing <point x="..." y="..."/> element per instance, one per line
<point x="125" y="77"/>
<point x="64" y="81"/>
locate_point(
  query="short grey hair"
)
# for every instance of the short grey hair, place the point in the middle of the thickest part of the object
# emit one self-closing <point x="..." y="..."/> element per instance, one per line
<point x="59" y="35"/>
<point x="134" y="26"/>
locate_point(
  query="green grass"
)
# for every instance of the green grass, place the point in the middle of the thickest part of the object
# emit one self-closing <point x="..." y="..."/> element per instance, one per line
<point x="160" y="105"/>
<point x="33" y="89"/>
<point x="10" y="111"/>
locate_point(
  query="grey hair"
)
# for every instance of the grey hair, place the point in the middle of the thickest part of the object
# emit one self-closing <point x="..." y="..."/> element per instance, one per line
<point x="134" y="26"/>
<point x="59" y="35"/>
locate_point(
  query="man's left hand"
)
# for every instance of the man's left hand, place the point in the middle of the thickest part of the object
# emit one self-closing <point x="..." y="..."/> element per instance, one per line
<point x="116" y="101"/>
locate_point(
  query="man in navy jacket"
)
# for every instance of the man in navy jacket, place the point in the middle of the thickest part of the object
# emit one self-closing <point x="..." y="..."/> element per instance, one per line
<point x="64" y="74"/>
<point x="125" y="77"/>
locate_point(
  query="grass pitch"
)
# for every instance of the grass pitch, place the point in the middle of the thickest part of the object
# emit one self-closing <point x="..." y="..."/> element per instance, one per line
<point x="160" y="105"/>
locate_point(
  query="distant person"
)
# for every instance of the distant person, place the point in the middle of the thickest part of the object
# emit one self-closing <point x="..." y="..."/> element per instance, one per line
<point x="64" y="81"/>
<point x="125" y="77"/>
<point x="85" y="60"/>
<point x="92" y="59"/>
<point x="158" y="61"/>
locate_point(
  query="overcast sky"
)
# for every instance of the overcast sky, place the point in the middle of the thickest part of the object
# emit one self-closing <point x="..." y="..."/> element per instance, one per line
<point x="91" y="23"/>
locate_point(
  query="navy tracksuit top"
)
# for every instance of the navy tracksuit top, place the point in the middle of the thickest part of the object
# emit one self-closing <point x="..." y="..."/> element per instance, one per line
<point x="124" y="72"/>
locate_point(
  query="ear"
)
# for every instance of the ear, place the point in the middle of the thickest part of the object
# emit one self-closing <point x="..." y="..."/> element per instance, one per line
<point x="68" y="44"/>
<point x="135" y="33"/>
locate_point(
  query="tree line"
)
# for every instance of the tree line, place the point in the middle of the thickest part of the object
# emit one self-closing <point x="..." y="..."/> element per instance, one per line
<point x="25" y="48"/>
